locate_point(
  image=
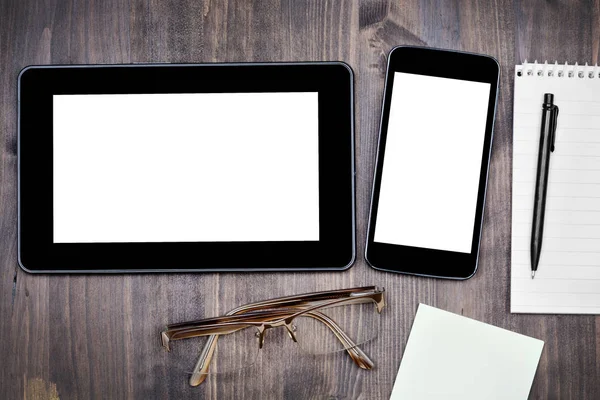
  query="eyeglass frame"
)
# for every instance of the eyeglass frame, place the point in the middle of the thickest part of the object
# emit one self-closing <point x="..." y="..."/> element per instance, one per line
<point x="274" y="313"/>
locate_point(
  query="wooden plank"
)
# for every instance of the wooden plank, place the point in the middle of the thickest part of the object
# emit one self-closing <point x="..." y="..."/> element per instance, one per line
<point x="97" y="336"/>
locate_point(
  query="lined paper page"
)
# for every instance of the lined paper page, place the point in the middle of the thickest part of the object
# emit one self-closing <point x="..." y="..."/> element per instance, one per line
<point x="568" y="277"/>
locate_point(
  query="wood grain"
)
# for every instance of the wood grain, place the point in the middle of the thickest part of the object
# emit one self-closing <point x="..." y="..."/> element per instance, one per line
<point x="97" y="336"/>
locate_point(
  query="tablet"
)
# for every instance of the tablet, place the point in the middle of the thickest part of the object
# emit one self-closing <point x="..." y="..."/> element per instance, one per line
<point x="205" y="167"/>
<point x="432" y="162"/>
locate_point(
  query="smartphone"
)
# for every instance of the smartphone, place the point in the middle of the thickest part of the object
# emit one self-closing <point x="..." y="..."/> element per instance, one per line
<point x="432" y="165"/>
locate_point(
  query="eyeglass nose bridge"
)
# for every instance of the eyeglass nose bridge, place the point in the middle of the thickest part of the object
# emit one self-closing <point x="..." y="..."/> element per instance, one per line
<point x="262" y="331"/>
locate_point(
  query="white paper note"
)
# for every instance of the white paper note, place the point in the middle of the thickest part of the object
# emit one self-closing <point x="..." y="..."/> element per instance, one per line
<point x="568" y="276"/>
<point x="452" y="357"/>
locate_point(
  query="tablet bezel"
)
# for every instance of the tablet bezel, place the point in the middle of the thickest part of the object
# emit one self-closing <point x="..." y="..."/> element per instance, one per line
<point x="334" y="251"/>
<point x="424" y="261"/>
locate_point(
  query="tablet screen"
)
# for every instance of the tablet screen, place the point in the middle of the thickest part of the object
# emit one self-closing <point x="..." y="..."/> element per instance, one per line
<point x="433" y="154"/>
<point x="199" y="167"/>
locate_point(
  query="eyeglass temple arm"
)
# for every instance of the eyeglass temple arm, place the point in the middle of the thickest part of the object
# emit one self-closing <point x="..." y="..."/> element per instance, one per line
<point x="291" y="301"/>
<point x="232" y="323"/>
<point x="177" y="334"/>
<point x="200" y="370"/>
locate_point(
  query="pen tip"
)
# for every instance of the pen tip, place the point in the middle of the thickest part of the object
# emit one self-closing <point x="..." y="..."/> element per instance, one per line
<point x="532" y="274"/>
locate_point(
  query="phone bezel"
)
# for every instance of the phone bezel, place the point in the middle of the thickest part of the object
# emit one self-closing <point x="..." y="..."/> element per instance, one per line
<point x="424" y="261"/>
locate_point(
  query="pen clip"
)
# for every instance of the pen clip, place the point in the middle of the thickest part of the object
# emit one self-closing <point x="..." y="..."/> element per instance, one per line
<point x="554" y="122"/>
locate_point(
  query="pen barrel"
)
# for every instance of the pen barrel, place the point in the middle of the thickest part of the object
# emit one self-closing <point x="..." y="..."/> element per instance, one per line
<point x="541" y="187"/>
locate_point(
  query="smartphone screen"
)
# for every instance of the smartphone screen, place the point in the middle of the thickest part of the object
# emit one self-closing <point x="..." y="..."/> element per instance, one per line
<point x="432" y="165"/>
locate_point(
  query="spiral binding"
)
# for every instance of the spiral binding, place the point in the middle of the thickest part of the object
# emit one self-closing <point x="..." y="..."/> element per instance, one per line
<point x="565" y="70"/>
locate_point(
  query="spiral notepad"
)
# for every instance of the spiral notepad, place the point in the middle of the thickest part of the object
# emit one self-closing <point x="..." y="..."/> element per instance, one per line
<point x="568" y="277"/>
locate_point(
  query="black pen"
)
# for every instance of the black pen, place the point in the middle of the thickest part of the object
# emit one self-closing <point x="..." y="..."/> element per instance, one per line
<point x="547" y="139"/>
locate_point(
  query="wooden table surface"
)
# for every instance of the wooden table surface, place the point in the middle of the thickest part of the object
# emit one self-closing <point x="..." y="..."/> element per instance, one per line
<point x="96" y="336"/>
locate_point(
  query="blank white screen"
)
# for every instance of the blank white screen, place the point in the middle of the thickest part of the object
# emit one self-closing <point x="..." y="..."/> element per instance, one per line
<point x="186" y="167"/>
<point x="431" y="170"/>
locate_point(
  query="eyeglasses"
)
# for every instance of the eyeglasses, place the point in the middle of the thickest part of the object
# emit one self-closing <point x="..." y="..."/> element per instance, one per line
<point x="320" y="322"/>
